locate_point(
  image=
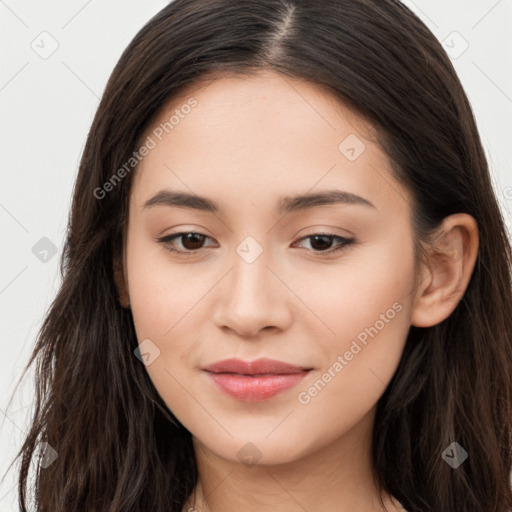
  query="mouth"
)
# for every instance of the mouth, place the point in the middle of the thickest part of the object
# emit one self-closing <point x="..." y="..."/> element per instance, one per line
<point x="254" y="381"/>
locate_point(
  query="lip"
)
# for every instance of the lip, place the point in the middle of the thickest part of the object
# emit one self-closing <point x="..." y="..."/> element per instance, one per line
<point x="254" y="380"/>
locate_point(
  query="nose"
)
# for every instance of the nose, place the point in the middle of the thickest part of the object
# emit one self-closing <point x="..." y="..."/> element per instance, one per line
<point x="252" y="298"/>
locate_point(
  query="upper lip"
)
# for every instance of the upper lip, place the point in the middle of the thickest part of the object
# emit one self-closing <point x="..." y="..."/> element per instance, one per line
<point x="258" y="367"/>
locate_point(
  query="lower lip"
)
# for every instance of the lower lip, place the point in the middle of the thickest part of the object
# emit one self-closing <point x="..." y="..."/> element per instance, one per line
<point x="255" y="389"/>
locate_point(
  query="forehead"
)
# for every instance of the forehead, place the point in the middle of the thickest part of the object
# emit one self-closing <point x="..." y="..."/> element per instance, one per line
<point x="294" y="103"/>
<point x="252" y="135"/>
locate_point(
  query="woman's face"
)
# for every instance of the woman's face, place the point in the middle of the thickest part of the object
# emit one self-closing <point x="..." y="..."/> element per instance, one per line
<point x="262" y="165"/>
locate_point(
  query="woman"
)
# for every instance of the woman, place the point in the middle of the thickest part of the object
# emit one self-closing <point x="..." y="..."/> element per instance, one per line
<point x="286" y="283"/>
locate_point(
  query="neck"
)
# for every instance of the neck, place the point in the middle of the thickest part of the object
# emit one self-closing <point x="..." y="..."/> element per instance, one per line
<point x="337" y="477"/>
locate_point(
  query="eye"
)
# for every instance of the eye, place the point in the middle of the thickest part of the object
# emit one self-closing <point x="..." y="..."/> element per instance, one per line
<point x="321" y="243"/>
<point x="191" y="242"/>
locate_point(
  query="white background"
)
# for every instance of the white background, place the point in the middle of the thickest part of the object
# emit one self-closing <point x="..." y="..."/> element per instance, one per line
<point x="47" y="106"/>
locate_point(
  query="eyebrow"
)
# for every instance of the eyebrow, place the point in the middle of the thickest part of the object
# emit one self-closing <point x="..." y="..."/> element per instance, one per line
<point x="287" y="205"/>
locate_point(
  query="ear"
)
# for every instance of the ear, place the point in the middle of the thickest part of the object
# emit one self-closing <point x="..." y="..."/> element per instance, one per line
<point x="121" y="282"/>
<point x="446" y="274"/>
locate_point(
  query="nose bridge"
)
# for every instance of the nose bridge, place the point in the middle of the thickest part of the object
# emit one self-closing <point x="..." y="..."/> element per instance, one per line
<point x="250" y="275"/>
<point x="251" y="296"/>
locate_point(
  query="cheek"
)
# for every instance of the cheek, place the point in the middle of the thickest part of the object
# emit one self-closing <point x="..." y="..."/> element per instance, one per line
<point x="356" y="374"/>
<point x="365" y="289"/>
<point x="164" y="301"/>
<point x="160" y="293"/>
<point x="160" y="303"/>
<point x="367" y="309"/>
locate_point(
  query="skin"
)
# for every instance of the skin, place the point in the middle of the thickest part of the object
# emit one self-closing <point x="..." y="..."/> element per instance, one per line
<point x="248" y="143"/>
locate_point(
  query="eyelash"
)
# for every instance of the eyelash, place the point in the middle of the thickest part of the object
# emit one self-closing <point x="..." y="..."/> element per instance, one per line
<point x="344" y="243"/>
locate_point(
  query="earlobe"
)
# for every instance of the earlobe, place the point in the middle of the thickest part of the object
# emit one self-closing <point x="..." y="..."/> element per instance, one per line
<point x="451" y="259"/>
<point x="120" y="282"/>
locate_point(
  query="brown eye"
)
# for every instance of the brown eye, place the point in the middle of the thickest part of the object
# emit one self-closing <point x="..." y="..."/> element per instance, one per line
<point x="190" y="242"/>
<point x="322" y="243"/>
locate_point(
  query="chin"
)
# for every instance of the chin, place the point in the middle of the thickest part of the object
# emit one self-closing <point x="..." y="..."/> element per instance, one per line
<point x="258" y="449"/>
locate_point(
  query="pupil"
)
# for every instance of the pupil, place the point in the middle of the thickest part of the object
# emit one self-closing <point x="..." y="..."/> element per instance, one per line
<point x="325" y="238"/>
<point x="194" y="238"/>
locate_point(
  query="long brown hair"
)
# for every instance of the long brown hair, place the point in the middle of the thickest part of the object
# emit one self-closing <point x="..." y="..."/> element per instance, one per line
<point x="119" y="447"/>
